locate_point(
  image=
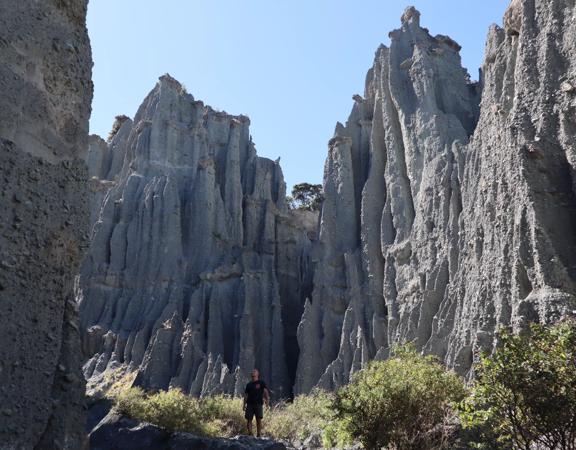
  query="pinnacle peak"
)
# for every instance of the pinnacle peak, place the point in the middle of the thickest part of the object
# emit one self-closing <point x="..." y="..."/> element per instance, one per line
<point x="411" y="15"/>
<point x="170" y="81"/>
<point x="167" y="78"/>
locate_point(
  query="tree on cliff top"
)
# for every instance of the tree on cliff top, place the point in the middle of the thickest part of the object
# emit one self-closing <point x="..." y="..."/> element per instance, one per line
<point x="306" y="196"/>
<point x="118" y="122"/>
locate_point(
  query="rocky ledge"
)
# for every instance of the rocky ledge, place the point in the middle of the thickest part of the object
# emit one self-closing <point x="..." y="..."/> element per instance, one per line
<point x="116" y="432"/>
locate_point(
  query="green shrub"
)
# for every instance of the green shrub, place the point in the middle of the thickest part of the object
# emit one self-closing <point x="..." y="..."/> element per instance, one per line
<point x="219" y="416"/>
<point x="336" y="434"/>
<point x="130" y="401"/>
<point x="171" y="409"/>
<point x="401" y="403"/>
<point x="525" y="394"/>
<point x="305" y="416"/>
<point x="223" y="415"/>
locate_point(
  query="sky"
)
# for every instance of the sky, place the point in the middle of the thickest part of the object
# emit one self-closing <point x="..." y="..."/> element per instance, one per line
<point x="292" y="66"/>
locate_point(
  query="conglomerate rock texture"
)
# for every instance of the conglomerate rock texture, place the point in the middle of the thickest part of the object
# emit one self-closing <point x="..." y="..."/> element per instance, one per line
<point x="45" y="95"/>
<point x="450" y="207"/>
<point x="197" y="272"/>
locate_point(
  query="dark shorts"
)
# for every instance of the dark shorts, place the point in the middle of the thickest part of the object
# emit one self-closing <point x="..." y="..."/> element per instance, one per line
<point x="254" y="410"/>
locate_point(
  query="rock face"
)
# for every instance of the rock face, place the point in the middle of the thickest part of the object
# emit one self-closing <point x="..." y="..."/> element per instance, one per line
<point x="116" y="432"/>
<point x="197" y="272"/>
<point x="444" y="220"/>
<point x="45" y="95"/>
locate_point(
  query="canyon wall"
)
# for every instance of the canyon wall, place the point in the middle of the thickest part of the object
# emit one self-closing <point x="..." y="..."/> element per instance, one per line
<point x="450" y="205"/>
<point x="45" y="96"/>
<point x="197" y="271"/>
<point x="449" y="213"/>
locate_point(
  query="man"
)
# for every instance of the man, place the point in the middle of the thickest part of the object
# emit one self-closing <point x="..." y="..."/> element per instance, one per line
<point x="255" y="395"/>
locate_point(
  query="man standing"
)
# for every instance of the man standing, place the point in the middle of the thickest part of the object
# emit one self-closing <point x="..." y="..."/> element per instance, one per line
<point x="255" y="395"/>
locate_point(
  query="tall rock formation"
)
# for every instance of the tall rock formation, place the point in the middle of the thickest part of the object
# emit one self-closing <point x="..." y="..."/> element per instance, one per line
<point x="197" y="272"/>
<point x="45" y="95"/>
<point x="444" y="220"/>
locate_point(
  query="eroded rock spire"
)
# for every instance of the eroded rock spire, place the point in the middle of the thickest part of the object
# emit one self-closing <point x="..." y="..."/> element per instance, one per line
<point x="197" y="271"/>
<point x="442" y="223"/>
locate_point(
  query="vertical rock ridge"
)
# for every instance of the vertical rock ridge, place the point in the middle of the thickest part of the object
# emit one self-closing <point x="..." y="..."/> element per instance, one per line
<point x="467" y="202"/>
<point x="195" y="272"/>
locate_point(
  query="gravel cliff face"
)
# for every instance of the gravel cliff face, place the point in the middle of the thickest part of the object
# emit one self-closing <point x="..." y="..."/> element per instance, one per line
<point x="444" y="220"/>
<point x="45" y="95"/>
<point x="197" y="272"/>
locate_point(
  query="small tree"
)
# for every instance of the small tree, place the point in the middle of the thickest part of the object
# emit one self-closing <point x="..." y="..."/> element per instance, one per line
<point x="401" y="403"/>
<point x="118" y="122"/>
<point x="525" y="394"/>
<point x="306" y="196"/>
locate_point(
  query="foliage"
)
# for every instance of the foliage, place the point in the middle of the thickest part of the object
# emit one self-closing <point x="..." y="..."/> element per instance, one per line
<point x="117" y="381"/>
<point x="173" y="410"/>
<point x="305" y="416"/>
<point x="222" y="415"/>
<point x="525" y="394"/>
<point x="306" y="196"/>
<point x="336" y="434"/>
<point x="401" y="403"/>
<point x="524" y="398"/>
<point x="118" y="122"/>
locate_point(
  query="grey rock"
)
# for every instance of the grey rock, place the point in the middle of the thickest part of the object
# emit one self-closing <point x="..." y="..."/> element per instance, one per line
<point x="122" y="433"/>
<point x="313" y="442"/>
<point x="45" y="96"/>
<point x="445" y="219"/>
<point x="197" y="271"/>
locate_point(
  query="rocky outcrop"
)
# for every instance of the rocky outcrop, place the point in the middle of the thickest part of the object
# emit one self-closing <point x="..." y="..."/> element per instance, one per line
<point x="517" y="255"/>
<point x="116" y="432"/>
<point x="444" y="220"/>
<point x="197" y="271"/>
<point x="45" y="95"/>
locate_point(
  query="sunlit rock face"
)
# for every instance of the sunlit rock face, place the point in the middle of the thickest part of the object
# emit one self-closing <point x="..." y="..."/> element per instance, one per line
<point x="197" y="271"/>
<point x="448" y="213"/>
<point x="45" y="96"/>
<point x="449" y="206"/>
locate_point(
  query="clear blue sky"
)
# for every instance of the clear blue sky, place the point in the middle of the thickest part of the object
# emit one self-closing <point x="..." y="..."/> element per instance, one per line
<point x="292" y="66"/>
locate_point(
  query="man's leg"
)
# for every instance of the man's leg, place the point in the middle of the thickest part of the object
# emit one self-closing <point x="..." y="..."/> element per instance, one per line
<point x="249" y="415"/>
<point x="259" y="414"/>
<point x="258" y="426"/>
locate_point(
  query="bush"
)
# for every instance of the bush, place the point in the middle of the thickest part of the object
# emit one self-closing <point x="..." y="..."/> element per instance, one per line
<point x="525" y="394"/>
<point x="222" y="415"/>
<point x="171" y="409"/>
<point x="305" y="416"/>
<point x="118" y="122"/>
<point x="401" y="403"/>
<point x="212" y="416"/>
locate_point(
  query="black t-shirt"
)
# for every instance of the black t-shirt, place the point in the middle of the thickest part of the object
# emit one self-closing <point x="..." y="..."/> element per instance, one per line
<point x="255" y="391"/>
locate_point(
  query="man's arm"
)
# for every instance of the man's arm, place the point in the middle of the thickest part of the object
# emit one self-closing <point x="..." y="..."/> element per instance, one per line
<point x="244" y="399"/>
<point x="266" y="397"/>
